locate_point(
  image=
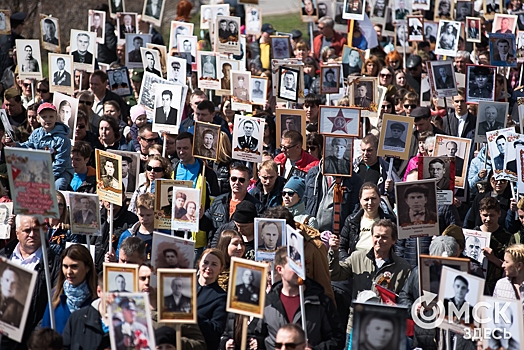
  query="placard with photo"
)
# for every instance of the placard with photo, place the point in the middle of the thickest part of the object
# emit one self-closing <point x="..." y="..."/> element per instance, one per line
<point x="402" y="42"/>
<point x="83" y="50"/>
<point x="417" y="208"/>
<point x="352" y="60"/>
<point x="16" y="290"/>
<point x="147" y="96"/>
<point x="164" y="190"/>
<point x="491" y="7"/>
<point x="152" y="11"/>
<point x="7" y="125"/>
<point x="241" y="91"/>
<point x="442" y="170"/>
<point x="60" y="77"/>
<point x="459" y="148"/>
<point x="5" y="22"/>
<point x="119" y="81"/>
<point x="280" y="47"/>
<point x="67" y="109"/>
<point x="290" y="119"/>
<point x="253" y="19"/>
<point x="96" y="22"/>
<point x="50" y="33"/>
<point x="502" y="152"/>
<point x="378" y="11"/>
<point x="395" y="136"/>
<point x="30" y="174"/>
<point x="295" y="251"/>
<point x="126" y="23"/>
<point x="28" y="59"/>
<point x="506" y="322"/>
<point x="276" y="76"/>
<point x="189" y="44"/>
<point x="339" y="121"/>
<point x="162" y="54"/>
<point x="177" y="70"/>
<point x="131" y="321"/>
<point x="177" y="296"/>
<point x="354" y="9"/>
<point x="172" y="252"/>
<point x="130" y="170"/>
<point x="133" y="44"/>
<point x="430" y="270"/>
<point x="472" y="30"/>
<point x="116" y="6"/>
<point x="308" y="11"/>
<point x="85" y="213"/>
<point x="329" y="79"/>
<point x="179" y="28"/>
<point x="402" y="9"/>
<point x="109" y="176"/>
<point x="206" y="140"/>
<point x="415" y="28"/>
<point x="430" y="30"/>
<point x="288" y="84"/>
<point x="464" y="291"/>
<point x="504" y="24"/>
<point x="491" y="116"/>
<point x="480" y="85"/>
<point x="443" y="10"/>
<point x="168" y="107"/>
<point x="520" y="47"/>
<point x="6" y="210"/>
<point x="207" y="63"/>
<point x="442" y="76"/>
<point x="270" y="234"/>
<point x="227" y="35"/>
<point x="226" y="66"/>
<point x="120" y="278"/>
<point x="186" y="208"/>
<point x="151" y="61"/>
<point x="463" y="9"/>
<point x="259" y="90"/>
<point x="208" y="13"/>
<point x="448" y="37"/>
<point x="337" y="155"/>
<point x="363" y="92"/>
<point x="502" y="50"/>
<point x="475" y="241"/>
<point x="248" y="133"/>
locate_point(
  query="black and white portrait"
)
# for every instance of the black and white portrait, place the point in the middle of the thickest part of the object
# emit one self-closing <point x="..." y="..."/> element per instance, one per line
<point x="253" y="19"/>
<point x="116" y="6"/>
<point x="501" y="145"/>
<point x="421" y="5"/>
<point x="240" y="86"/>
<point x="505" y="319"/>
<point x="6" y="209"/>
<point x="491" y="117"/>
<point x="269" y="235"/>
<point x="209" y="13"/>
<point x="248" y="133"/>
<point x="363" y="94"/>
<point x="415" y="28"/>
<point x="167" y="105"/>
<point x="402" y="9"/>
<point x="227" y="37"/>
<point x="492" y="7"/>
<point x="152" y="11"/>
<point x="151" y="61"/>
<point x="354" y="9"/>
<point x="402" y="37"/>
<point x="480" y="83"/>
<point x="50" y="29"/>
<point x="82" y="49"/>
<point x="186" y="208"/>
<point x="205" y="140"/>
<point x="444" y="82"/>
<point x="502" y="50"/>
<point x="85" y="215"/>
<point x="472" y="29"/>
<point x="448" y="38"/>
<point x="109" y="172"/>
<point x="188" y="43"/>
<point x="133" y="44"/>
<point x="443" y="9"/>
<point x="337" y="156"/>
<point x="352" y="61"/>
<point x="475" y="242"/>
<point x="430" y="31"/>
<point x="259" y="90"/>
<point x="379" y="9"/>
<point x="96" y="23"/>
<point x="67" y="108"/>
<point x="457" y="148"/>
<point x="28" y="58"/>
<point x="127" y="23"/>
<point x="463" y="9"/>
<point x="179" y="28"/>
<point x="295" y="251"/>
<point x="170" y="251"/>
<point x="176" y="70"/>
<point x="439" y="168"/>
<point x="247" y="286"/>
<point x="280" y="47"/>
<point x="121" y="282"/>
<point x="177" y="294"/>
<point x="330" y="78"/>
<point x="119" y="81"/>
<point x="61" y="67"/>
<point x="207" y="70"/>
<point x="130" y="169"/>
<point x="288" y="84"/>
<point x="395" y="138"/>
<point x="339" y="121"/>
<point x="288" y="122"/>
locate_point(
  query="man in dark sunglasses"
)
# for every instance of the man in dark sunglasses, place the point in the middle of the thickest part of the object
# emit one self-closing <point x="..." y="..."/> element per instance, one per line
<point x="293" y="154"/>
<point x="290" y="336"/>
<point x="414" y="67"/>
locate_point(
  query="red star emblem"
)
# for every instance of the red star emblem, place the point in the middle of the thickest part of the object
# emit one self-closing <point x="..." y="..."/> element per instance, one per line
<point x="340" y="122"/>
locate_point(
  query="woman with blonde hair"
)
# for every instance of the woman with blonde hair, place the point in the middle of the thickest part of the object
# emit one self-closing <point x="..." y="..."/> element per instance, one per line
<point x="371" y="67"/>
<point x="58" y="231"/>
<point x="231" y="244"/>
<point x="509" y="287"/>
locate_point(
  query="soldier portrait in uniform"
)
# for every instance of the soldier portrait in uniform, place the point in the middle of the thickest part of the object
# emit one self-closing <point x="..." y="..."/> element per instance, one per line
<point x="395" y="136"/>
<point x="247" y="287"/>
<point x="288" y="84"/>
<point x="28" y="56"/>
<point x="60" y="69"/>
<point x="480" y="83"/>
<point x="240" y="86"/>
<point x="247" y="141"/>
<point x="447" y="37"/>
<point x="178" y="299"/>
<point x="109" y="172"/>
<point x="490" y="117"/>
<point x="463" y="9"/>
<point x="329" y="79"/>
<point x="259" y="90"/>
<point x="176" y="295"/>
<point x="205" y="140"/>
<point x="363" y="95"/>
<point x="337" y="156"/>
<point x="247" y="283"/>
<point x="247" y="135"/>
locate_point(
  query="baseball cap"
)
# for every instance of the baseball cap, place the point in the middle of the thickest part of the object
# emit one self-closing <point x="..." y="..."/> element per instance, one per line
<point x="268" y="28"/>
<point x="11" y="93"/>
<point x="46" y="105"/>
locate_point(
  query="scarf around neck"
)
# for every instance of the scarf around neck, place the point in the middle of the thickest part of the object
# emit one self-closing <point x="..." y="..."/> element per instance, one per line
<point x="76" y="295"/>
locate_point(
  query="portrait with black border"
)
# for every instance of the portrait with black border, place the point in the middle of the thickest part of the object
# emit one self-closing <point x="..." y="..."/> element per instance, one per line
<point x="119" y="81"/>
<point x="354" y="9"/>
<point x="288" y="83"/>
<point x="116" y="6"/>
<point x="415" y="28"/>
<point x="206" y="140"/>
<point x="280" y="47"/>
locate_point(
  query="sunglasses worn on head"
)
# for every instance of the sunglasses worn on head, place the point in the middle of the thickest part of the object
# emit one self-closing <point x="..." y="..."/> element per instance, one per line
<point x="239" y="179"/>
<point x="156" y="169"/>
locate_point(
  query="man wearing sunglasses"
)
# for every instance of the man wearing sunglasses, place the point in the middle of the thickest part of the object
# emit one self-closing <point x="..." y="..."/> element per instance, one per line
<point x="293" y="155"/>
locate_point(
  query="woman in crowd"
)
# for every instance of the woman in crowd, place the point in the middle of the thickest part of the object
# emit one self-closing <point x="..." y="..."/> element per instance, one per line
<point x="42" y="91"/>
<point x="221" y="165"/>
<point x="211" y="299"/>
<point x="157" y="167"/>
<point x="292" y="197"/>
<point x="388" y="107"/>
<point x="82" y="130"/>
<point x="32" y="118"/>
<point x="58" y="229"/>
<point x="227" y="113"/>
<point x="344" y="102"/>
<point x="426" y="145"/>
<point x="231" y="244"/>
<point x="508" y="287"/>
<point x="109" y="135"/>
<point x="270" y="130"/>
<point x="76" y="286"/>
<point x="311" y="70"/>
<point x="401" y="80"/>
<point x="385" y="77"/>
<point x="112" y="109"/>
<point x="436" y="110"/>
<point x="394" y="60"/>
<point x="371" y="67"/>
<point x="314" y="143"/>
<point x="411" y="101"/>
<point x="399" y="100"/>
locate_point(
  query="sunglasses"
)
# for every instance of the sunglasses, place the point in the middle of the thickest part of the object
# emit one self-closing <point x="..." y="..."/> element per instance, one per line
<point x="285" y="148"/>
<point x="385" y="75"/>
<point x="410" y="106"/>
<point x="148" y="140"/>
<point x="312" y="148"/>
<point x="42" y="91"/>
<point x="239" y="179"/>
<point x="87" y="103"/>
<point x="386" y="106"/>
<point x="289" y="346"/>
<point x="156" y="169"/>
<point x="142" y="278"/>
<point x="80" y="126"/>
<point x="26" y="85"/>
<point x="288" y="193"/>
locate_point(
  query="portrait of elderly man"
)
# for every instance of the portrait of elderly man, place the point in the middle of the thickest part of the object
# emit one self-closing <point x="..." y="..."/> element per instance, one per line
<point x="490" y="123"/>
<point x="176" y="301"/>
<point x="247" y="291"/>
<point x="81" y="54"/>
<point x="11" y="309"/>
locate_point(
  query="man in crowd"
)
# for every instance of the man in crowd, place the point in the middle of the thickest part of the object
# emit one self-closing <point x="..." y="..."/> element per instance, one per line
<point x="328" y="37"/>
<point x="16" y="113"/>
<point x="268" y="189"/>
<point x="98" y="85"/>
<point x="461" y="122"/>
<point x="293" y="155"/>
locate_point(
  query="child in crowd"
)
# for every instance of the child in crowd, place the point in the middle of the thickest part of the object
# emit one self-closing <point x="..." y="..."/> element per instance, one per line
<point x="139" y="118"/>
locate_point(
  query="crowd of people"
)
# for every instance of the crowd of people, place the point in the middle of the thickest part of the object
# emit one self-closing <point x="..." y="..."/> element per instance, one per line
<point x="351" y="239"/>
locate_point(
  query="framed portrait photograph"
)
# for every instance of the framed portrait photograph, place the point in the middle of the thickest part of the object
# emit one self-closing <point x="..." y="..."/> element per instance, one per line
<point x="208" y="14"/>
<point x="126" y="23"/>
<point x="442" y="170"/>
<point x="177" y="70"/>
<point x="417" y="208"/>
<point x="290" y="119"/>
<point x="205" y="140"/>
<point x="278" y="68"/>
<point x="453" y="283"/>
<point x="391" y="320"/>
<point x="337" y="155"/>
<point x="6" y="210"/>
<point x="168" y="102"/>
<point x="402" y="37"/>
<point x="472" y="30"/>
<point x="179" y="28"/>
<point x="85" y="215"/>
<point x="475" y="241"/>
<point x="480" y="84"/>
<point x="207" y="63"/>
<point x="240" y="90"/>
<point x="116" y="6"/>
<point x="330" y="79"/>
<point x="119" y="81"/>
<point x="415" y="28"/>
<point x="226" y="66"/>
<point x="395" y="136"/>
<point x="83" y="46"/>
<point x="162" y="54"/>
<point x="430" y="31"/>
<point x="247" y="287"/>
<point x="280" y="47"/>
<point x="339" y="121"/>
<point x="420" y="5"/>
<point x="519" y="38"/>
<point x="442" y="74"/>
<point x="108" y="176"/>
<point x="430" y="270"/>
<point x="288" y="84"/>
<point x="259" y="90"/>
<point x="147" y="93"/>
<point x="96" y="22"/>
<point x="352" y="60"/>
<point x="501" y="144"/>
<point x="67" y="108"/>
<point x="463" y="9"/>
<point x="5" y="22"/>
<point x="31" y="172"/>
<point x="16" y="290"/>
<point x="131" y="321"/>
<point x="177" y="296"/>
<point x="448" y="37"/>
<point x="227" y="37"/>
<point x="120" y="278"/>
<point x="60" y="71"/>
<point x="152" y="11"/>
<point x="309" y="11"/>
<point x="443" y="10"/>
<point x="502" y="50"/>
<point x="28" y="59"/>
<point x="151" y="61"/>
<point x="402" y="9"/>
<point x="50" y="33"/>
<point x="164" y="190"/>
<point x="253" y="19"/>
<point x="186" y="208"/>
<point x="456" y="147"/>
<point x="506" y="321"/>
<point x="133" y="54"/>
<point x="491" y="116"/>
<point x="248" y="133"/>
<point x="188" y="44"/>
<point x="354" y="9"/>
<point x="378" y="11"/>
<point x="491" y="7"/>
<point x="172" y="252"/>
<point x="270" y="234"/>
<point x="363" y="92"/>
<point x="295" y="251"/>
<point x="130" y="170"/>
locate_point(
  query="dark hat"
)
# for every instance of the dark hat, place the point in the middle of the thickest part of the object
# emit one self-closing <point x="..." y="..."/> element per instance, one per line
<point x="421" y="112"/>
<point x="455" y="232"/>
<point x="18" y="18"/>
<point x="296" y="34"/>
<point x="297" y="184"/>
<point x="245" y="213"/>
<point x="413" y="61"/>
<point x="416" y="189"/>
<point x="268" y="28"/>
<point x="479" y="70"/>
<point x="127" y="303"/>
<point x="423" y="44"/>
<point x="330" y="71"/>
<point x="138" y="74"/>
<point x="397" y="126"/>
<point x="165" y="335"/>
<point x="11" y="93"/>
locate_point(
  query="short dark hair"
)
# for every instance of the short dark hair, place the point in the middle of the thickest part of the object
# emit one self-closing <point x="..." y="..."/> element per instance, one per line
<point x="370" y="139"/>
<point x="101" y="74"/>
<point x="387" y="223"/>
<point x="144" y="128"/>
<point x="45" y="338"/>
<point x="312" y="100"/>
<point x="60" y="59"/>
<point x="488" y="203"/>
<point x="170" y="250"/>
<point x="167" y="92"/>
<point x="293" y="327"/>
<point x="294" y="136"/>
<point x="436" y="160"/>
<point x="280" y="212"/>
<point x="416" y="188"/>
<point x="83" y="148"/>
<point x="112" y="123"/>
<point x="185" y="135"/>
<point x="206" y="105"/>
<point x="462" y="279"/>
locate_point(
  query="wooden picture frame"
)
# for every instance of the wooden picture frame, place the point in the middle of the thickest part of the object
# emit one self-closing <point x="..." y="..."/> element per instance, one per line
<point x="395" y="148"/>
<point x="186" y="309"/>
<point x="425" y="272"/>
<point x="297" y="115"/>
<point x="201" y="144"/>
<point x="339" y="121"/>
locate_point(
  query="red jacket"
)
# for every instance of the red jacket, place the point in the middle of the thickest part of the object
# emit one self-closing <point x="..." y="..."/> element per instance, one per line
<point x="306" y="161"/>
<point x="337" y="42"/>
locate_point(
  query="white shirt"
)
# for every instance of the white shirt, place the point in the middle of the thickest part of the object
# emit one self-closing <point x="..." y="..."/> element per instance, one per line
<point x="30" y="262"/>
<point x="125" y="181"/>
<point x="462" y="122"/>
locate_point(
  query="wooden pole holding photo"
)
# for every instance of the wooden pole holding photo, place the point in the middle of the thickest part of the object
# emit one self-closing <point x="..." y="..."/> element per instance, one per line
<point x="111" y="212"/>
<point x="390" y="169"/>
<point x="45" y="259"/>
<point x="350" y="33"/>
<point x="243" y="344"/>
<point x="164" y="135"/>
<point x="178" y="333"/>
<point x="80" y="84"/>
<point x="486" y="156"/>
<point x="311" y="34"/>
<point x="33" y="90"/>
<point x="301" y="289"/>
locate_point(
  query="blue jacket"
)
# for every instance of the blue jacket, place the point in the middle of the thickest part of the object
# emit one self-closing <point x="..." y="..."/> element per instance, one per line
<point x="273" y="198"/>
<point x="58" y="140"/>
<point x="61" y="313"/>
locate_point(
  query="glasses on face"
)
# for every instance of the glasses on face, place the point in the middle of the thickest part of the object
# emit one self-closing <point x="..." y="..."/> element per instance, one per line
<point x="84" y="102"/>
<point x="286" y="148"/>
<point x="156" y="169"/>
<point x="239" y="179"/>
<point x="148" y="140"/>
<point x="502" y="181"/>
<point x="386" y="106"/>
<point x="143" y="278"/>
<point x="288" y="193"/>
<point x="312" y="148"/>
<point x="42" y="91"/>
<point x="290" y="346"/>
<point x="410" y="106"/>
<point x="385" y="75"/>
<point x="80" y="126"/>
<point x="26" y="85"/>
<point x="394" y="62"/>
